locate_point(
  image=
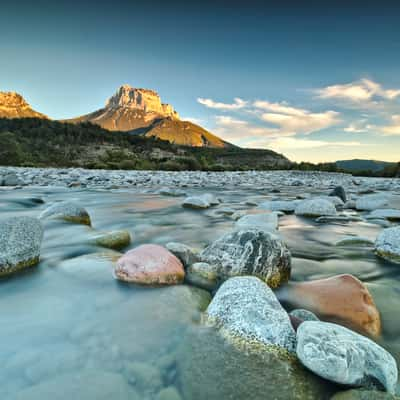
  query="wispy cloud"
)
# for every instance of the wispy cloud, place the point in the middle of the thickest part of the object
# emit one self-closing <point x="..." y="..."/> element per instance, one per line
<point x="285" y="143"/>
<point x="364" y="90"/>
<point x="237" y="104"/>
<point x="393" y="128"/>
<point x="358" y="127"/>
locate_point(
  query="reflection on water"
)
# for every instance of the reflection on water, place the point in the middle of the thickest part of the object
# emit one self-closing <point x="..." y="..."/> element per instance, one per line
<point x="68" y="329"/>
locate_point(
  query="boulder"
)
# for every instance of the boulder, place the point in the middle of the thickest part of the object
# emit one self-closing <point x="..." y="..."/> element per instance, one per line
<point x="389" y="214"/>
<point x="202" y="275"/>
<point x="115" y="240"/>
<point x="361" y="394"/>
<point x="11" y="179"/>
<point x="287" y="206"/>
<point x="387" y="244"/>
<point x="250" y="252"/>
<point x="267" y="222"/>
<point x="303" y="315"/>
<point x="68" y="211"/>
<point x="371" y="202"/>
<point x="315" y="208"/>
<point x="195" y="202"/>
<point x="20" y="241"/>
<point x="246" y="309"/>
<point x="149" y="264"/>
<point x="345" y="357"/>
<point x="339" y="192"/>
<point x="186" y="254"/>
<point x="342" y="299"/>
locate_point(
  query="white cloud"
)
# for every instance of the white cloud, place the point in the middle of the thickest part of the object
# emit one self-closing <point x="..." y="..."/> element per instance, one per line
<point x="282" y="108"/>
<point x="393" y="128"/>
<point x="361" y="91"/>
<point x="285" y="143"/>
<point x="305" y="122"/>
<point x="236" y="105"/>
<point x="358" y="127"/>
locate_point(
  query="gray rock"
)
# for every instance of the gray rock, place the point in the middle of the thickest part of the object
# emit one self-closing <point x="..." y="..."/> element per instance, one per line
<point x="371" y="202"/>
<point x="287" y="206"/>
<point x="245" y="308"/>
<point x="20" y="241"/>
<point x="202" y="275"/>
<point x="354" y="241"/>
<point x="68" y="211"/>
<point x="195" y="202"/>
<point x="267" y="222"/>
<point x="12" y="179"/>
<point x="250" y="252"/>
<point x="389" y="214"/>
<point x="345" y="357"/>
<point x="169" y="393"/>
<point x="315" y="208"/>
<point x="186" y="254"/>
<point x="339" y="192"/>
<point x="304" y="315"/>
<point x="387" y="244"/>
<point x="171" y="192"/>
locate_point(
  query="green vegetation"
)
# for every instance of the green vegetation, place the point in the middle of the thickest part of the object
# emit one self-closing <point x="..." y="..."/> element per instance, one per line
<point x="43" y="143"/>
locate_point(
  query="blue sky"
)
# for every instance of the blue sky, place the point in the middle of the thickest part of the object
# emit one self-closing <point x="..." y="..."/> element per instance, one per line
<point x="314" y="81"/>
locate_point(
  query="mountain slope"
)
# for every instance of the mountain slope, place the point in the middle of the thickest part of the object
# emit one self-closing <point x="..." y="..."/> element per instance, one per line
<point x="13" y="105"/>
<point x="140" y="111"/>
<point x="363" y="165"/>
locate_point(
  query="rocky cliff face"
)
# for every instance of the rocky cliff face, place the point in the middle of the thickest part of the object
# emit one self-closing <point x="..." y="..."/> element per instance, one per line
<point x="13" y="105"/>
<point x="141" y="111"/>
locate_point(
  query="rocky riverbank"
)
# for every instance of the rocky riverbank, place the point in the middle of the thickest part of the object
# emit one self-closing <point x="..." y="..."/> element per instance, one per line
<point x="229" y="285"/>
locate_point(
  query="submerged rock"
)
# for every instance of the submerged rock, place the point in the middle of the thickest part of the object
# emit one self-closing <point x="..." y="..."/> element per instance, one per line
<point x="361" y="394"/>
<point x="20" y="241"/>
<point x="115" y="240"/>
<point x="245" y="308"/>
<point x="387" y="244"/>
<point x="315" y="208"/>
<point x="202" y="275"/>
<point x="267" y="222"/>
<point x="342" y="299"/>
<point x="149" y="264"/>
<point x="67" y="210"/>
<point x="250" y="252"/>
<point x="345" y="357"/>
<point x="354" y="241"/>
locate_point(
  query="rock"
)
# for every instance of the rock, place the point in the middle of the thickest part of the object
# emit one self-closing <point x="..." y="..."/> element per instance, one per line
<point x="387" y="244"/>
<point x="342" y="299"/>
<point x="250" y="252"/>
<point x="84" y="384"/>
<point x="338" y="218"/>
<point x="171" y="192"/>
<point x="169" y="393"/>
<point x="315" y="208"/>
<point x="267" y="222"/>
<point x="210" y="367"/>
<point x="360" y="394"/>
<point x="202" y="275"/>
<point x="354" y="241"/>
<point x="196" y="203"/>
<point x="371" y="202"/>
<point x="210" y="198"/>
<point x="115" y="240"/>
<point x="345" y="357"/>
<point x="303" y="315"/>
<point x="225" y="211"/>
<point x="280" y="205"/>
<point x="245" y="308"/>
<point x="350" y="204"/>
<point x="12" y="179"/>
<point x="20" y="241"/>
<point x="143" y="376"/>
<point x="339" y="192"/>
<point x="186" y="254"/>
<point x="67" y="210"/>
<point x="149" y="264"/>
<point x="389" y="214"/>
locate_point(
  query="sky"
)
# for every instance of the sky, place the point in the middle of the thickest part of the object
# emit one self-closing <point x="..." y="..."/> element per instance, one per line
<point x="316" y="81"/>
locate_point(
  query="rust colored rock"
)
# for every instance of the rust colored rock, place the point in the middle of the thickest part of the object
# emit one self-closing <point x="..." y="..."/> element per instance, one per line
<point x="150" y="264"/>
<point x="342" y="299"/>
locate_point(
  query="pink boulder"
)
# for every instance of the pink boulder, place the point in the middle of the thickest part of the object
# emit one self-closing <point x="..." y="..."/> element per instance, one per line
<point x="150" y="264"/>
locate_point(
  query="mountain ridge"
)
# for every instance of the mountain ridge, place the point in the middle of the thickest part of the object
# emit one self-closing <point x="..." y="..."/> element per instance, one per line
<point x="13" y="105"/>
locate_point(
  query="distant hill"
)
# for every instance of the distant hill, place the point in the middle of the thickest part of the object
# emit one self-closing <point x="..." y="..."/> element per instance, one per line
<point x="357" y="165"/>
<point x="13" y="105"/>
<point x="140" y="111"/>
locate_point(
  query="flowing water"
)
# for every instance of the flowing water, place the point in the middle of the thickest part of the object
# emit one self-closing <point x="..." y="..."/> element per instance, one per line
<point x="69" y="330"/>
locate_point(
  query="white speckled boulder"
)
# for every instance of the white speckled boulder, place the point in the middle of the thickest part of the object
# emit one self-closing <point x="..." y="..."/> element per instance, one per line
<point x="387" y="244"/>
<point x="68" y="211"/>
<point x="250" y="252"/>
<point x="20" y="241"/>
<point x="315" y="208"/>
<point x="246" y="308"/>
<point x="345" y="357"/>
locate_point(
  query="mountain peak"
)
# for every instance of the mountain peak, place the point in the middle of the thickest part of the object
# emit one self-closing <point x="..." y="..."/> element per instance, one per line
<point x="140" y="99"/>
<point x="13" y="105"/>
